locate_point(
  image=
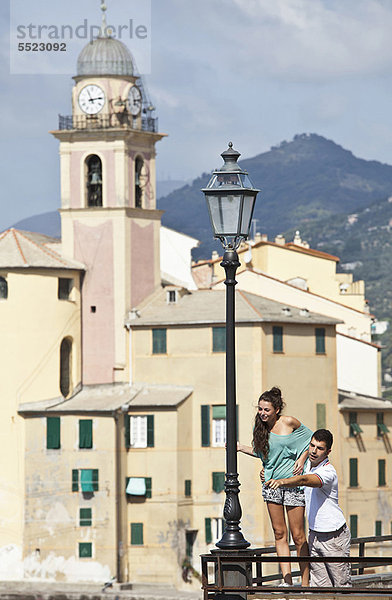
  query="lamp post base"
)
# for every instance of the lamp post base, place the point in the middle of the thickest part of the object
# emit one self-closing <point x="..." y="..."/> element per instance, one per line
<point x="234" y="574"/>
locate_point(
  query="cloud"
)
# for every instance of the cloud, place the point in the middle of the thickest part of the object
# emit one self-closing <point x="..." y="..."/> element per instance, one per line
<point x="292" y="40"/>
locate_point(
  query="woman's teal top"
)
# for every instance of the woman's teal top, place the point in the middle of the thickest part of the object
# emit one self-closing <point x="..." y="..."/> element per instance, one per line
<point x="284" y="451"/>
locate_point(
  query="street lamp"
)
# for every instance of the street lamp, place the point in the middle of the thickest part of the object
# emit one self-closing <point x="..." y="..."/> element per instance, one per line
<point x="230" y="198"/>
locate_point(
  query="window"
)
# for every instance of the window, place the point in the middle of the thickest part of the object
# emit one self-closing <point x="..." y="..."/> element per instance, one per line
<point x="85" y="433"/>
<point x="190" y="537"/>
<point x="378" y="528"/>
<point x="53" y="433"/>
<point x="277" y="333"/>
<point x="86" y="479"/>
<point x="353" y="472"/>
<point x="171" y="296"/>
<point x="137" y="534"/>
<point x="188" y="488"/>
<point x="219" y="339"/>
<point x="207" y="529"/>
<point x="85" y="518"/>
<point x="65" y="366"/>
<point x="64" y="290"/>
<point x="205" y="425"/>
<point x="320" y="340"/>
<point x="214" y="528"/>
<point x="219" y="426"/>
<point x="139" y="182"/>
<point x="382" y="429"/>
<point x="353" y="424"/>
<point x="139" y="486"/>
<point x="85" y="550"/>
<point x="381" y="472"/>
<point x="321" y="420"/>
<point x="218" y="482"/>
<point x="354" y="525"/>
<point x="94" y="181"/>
<point x="3" y="288"/>
<point x="139" y="431"/>
<point x="159" y="341"/>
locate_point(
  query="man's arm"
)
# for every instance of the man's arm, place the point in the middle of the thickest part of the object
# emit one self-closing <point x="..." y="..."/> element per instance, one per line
<point x="310" y="480"/>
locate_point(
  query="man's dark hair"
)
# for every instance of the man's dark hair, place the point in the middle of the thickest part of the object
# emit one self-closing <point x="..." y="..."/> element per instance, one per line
<point x="324" y="435"/>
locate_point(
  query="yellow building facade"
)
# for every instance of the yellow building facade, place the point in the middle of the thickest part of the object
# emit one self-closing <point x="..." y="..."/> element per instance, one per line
<point x="114" y="399"/>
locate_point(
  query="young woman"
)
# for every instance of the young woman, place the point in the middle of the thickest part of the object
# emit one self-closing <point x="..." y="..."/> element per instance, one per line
<point x="282" y="443"/>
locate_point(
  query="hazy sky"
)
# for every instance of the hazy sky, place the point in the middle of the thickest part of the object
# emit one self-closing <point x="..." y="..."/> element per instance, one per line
<point x="252" y="71"/>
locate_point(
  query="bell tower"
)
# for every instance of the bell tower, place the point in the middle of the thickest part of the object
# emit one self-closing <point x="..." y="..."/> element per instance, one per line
<point x="109" y="219"/>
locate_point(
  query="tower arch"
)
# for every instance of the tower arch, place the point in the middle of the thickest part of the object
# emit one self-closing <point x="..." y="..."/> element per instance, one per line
<point x="93" y="180"/>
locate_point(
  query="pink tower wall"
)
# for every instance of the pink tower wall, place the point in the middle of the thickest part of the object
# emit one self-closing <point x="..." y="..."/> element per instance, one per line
<point x="142" y="262"/>
<point x="94" y="247"/>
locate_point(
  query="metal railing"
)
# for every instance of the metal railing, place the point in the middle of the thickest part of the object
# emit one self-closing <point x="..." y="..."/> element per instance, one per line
<point x="243" y="561"/>
<point x="108" y="121"/>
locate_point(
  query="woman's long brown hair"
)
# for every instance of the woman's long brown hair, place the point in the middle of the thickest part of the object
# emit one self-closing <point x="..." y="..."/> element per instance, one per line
<point x="260" y="431"/>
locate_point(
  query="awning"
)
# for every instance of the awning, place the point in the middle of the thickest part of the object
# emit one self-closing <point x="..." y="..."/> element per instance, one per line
<point x="86" y="480"/>
<point x="136" y="486"/>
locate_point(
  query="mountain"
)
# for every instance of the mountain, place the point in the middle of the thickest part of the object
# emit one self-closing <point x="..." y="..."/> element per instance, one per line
<point x="49" y="222"/>
<point x="305" y="179"/>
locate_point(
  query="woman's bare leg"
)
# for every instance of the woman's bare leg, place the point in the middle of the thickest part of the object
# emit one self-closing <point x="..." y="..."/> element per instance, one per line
<point x="295" y="515"/>
<point x="278" y="522"/>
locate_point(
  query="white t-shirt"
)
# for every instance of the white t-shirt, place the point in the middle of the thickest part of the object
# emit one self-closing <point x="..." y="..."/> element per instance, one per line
<point x="322" y="508"/>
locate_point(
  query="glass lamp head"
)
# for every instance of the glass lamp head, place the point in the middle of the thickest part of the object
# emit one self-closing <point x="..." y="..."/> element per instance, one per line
<point x="230" y="198"/>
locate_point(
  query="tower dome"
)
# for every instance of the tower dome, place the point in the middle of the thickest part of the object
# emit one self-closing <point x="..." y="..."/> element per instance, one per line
<point x="105" y="56"/>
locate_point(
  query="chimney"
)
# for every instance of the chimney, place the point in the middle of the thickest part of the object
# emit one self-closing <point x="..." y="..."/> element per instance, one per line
<point x="280" y="240"/>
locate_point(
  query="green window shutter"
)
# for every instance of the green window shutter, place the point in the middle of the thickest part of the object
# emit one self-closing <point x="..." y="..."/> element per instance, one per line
<point x="85" y="550"/>
<point x="85" y="518"/>
<point x="148" y="482"/>
<point x="188" y="487"/>
<point x="277" y="332"/>
<point x="381" y="428"/>
<point x="353" y="472"/>
<point x="378" y="528"/>
<point x="219" y="339"/>
<point x="353" y="423"/>
<point x="150" y="431"/>
<point x="381" y="472"/>
<point x="320" y="340"/>
<point x="159" y="341"/>
<point x="95" y="480"/>
<point x="354" y="525"/>
<point x="321" y="420"/>
<point x="137" y="534"/>
<point x="207" y="527"/>
<point x="85" y="433"/>
<point x="218" y="482"/>
<point x="205" y="425"/>
<point x="53" y="433"/>
<point x="127" y="431"/>
<point x="75" y="480"/>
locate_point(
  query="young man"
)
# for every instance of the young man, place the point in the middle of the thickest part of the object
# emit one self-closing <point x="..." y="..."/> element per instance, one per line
<point x="328" y="531"/>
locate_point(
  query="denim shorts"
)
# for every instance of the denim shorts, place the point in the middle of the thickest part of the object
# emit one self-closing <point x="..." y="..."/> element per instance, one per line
<point x="285" y="496"/>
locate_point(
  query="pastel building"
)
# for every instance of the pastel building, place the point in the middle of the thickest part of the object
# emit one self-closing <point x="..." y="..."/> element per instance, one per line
<point x="113" y="398"/>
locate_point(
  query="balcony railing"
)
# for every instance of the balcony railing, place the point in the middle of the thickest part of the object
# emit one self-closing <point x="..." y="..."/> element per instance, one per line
<point x="247" y="565"/>
<point x="108" y="121"/>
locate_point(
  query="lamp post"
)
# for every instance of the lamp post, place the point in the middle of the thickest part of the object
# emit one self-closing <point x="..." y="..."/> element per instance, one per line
<point x="230" y="198"/>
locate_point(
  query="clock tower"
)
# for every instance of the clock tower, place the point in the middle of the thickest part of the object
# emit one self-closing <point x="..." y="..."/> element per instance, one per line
<point x="109" y="219"/>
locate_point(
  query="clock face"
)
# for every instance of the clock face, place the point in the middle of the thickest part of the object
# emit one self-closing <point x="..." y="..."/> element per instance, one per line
<point x="135" y="100"/>
<point x="91" y="99"/>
